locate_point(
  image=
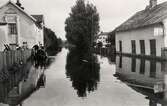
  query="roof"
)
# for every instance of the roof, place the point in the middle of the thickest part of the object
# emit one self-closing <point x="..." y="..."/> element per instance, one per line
<point x="104" y="33"/>
<point x="39" y="18"/>
<point x="149" y="16"/>
<point x="3" y="23"/>
<point x="19" y="8"/>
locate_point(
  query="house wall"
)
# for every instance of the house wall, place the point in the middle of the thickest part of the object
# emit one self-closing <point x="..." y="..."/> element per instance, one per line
<point x="40" y="36"/>
<point x="27" y="30"/>
<point x="3" y="37"/>
<point x="145" y="34"/>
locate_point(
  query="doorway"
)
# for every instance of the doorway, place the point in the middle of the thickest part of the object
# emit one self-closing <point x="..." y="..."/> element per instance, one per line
<point x="153" y="47"/>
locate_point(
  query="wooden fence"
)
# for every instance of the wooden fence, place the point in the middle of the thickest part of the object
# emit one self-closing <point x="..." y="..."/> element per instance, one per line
<point x="8" y="58"/>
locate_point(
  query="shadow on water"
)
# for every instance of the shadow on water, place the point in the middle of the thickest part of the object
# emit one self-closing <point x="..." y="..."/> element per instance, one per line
<point x="144" y="76"/>
<point x="83" y="70"/>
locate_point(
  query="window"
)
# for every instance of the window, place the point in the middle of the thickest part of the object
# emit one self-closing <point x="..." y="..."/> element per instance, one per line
<point x="12" y="28"/>
<point x="158" y="31"/>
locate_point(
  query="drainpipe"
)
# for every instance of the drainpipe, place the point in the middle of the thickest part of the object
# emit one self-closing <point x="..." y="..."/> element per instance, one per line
<point x="164" y="49"/>
<point x="165" y="33"/>
<point x="164" y="55"/>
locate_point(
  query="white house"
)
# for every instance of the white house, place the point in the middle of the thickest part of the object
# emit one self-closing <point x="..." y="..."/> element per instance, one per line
<point x="18" y="28"/>
<point x="102" y="37"/>
<point x="145" y="33"/>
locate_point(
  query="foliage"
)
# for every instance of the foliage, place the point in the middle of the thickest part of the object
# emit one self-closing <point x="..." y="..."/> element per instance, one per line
<point x="51" y="42"/>
<point x="111" y="38"/>
<point x="99" y="45"/>
<point x="82" y="24"/>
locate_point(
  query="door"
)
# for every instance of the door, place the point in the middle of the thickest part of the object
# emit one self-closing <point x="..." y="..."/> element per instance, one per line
<point x="120" y="46"/>
<point x="142" y="47"/>
<point x="153" y="47"/>
<point x="133" y="46"/>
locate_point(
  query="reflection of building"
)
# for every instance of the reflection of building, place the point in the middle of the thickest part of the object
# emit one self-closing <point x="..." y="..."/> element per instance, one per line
<point x="18" y="28"/>
<point x="140" y="72"/>
<point x="102" y="37"/>
<point x="142" y="76"/>
<point x="145" y="33"/>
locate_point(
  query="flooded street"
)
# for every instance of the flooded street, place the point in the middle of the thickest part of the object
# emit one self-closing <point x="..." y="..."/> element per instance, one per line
<point x="83" y="53"/>
<point x="97" y="88"/>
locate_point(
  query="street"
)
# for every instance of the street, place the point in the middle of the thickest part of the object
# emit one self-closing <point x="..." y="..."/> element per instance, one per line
<point x="60" y="92"/>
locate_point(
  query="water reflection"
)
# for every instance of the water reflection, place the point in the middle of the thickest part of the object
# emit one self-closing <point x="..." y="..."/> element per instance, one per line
<point x="143" y="76"/>
<point x="20" y="84"/>
<point x="111" y="59"/>
<point x="83" y="70"/>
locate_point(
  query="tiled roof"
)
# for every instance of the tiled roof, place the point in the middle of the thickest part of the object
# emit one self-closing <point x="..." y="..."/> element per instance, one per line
<point x="149" y="16"/>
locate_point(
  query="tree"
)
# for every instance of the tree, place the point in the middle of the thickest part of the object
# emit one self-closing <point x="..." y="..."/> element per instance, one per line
<point x="51" y="42"/>
<point x="82" y="24"/>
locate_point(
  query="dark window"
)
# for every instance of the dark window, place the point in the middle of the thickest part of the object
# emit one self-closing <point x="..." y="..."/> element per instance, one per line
<point x="120" y="46"/>
<point x="133" y="65"/>
<point x="133" y="46"/>
<point x="142" y="46"/>
<point x="12" y="28"/>
<point x="153" y="47"/>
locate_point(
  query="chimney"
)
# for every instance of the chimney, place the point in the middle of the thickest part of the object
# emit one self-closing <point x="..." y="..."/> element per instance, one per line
<point x="153" y="3"/>
<point x="19" y="4"/>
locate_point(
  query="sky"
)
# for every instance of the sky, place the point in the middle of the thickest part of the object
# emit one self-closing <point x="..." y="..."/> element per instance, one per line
<point x="112" y="12"/>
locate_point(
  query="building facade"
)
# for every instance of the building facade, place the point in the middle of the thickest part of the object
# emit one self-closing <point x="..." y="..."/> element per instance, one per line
<point x="102" y="37"/>
<point x="145" y="33"/>
<point x="18" y="28"/>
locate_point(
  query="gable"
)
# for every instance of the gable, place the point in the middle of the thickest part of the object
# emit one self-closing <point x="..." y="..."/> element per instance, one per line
<point x="12" y="9"/>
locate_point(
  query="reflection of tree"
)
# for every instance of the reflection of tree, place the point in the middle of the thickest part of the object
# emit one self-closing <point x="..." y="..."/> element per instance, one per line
<point x="83" y="70"/>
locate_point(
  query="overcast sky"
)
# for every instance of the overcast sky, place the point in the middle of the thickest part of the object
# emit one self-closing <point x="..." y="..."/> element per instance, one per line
<point x="112" y="12"/>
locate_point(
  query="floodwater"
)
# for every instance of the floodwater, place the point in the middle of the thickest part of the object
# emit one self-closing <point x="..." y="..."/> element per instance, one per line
<point x="77" y="79"/>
